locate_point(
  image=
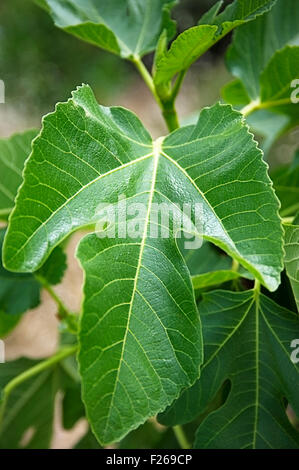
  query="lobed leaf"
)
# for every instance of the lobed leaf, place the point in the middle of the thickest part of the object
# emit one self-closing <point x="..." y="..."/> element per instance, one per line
<point x="139" y="305"/>
<point x="247" y="341"/>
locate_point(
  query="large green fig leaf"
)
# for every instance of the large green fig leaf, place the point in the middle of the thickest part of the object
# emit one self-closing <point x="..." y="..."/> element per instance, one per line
<point x="13" y="153"/>
<point x="137" y="287"/>
<point x="259" y="58"/>
<point x="247" y="341"/>
<point x="193" y="42"/>
<point x="292" y="256"/>
<point x="27" y="415"/>
<point x="125" y="27"/>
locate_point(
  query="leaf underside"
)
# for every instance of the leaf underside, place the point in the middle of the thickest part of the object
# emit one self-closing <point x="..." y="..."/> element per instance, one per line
<point x="133" y="31"/>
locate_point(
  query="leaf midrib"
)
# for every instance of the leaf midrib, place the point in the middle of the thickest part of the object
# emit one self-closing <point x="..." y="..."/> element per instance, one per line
<point x="156" y="155"/>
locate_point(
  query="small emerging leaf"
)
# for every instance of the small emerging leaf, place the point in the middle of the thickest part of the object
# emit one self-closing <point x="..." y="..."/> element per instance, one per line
<point x="194" y="42"/>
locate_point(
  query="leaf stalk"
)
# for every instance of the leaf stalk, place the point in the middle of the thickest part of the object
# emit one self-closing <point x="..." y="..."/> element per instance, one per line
<point x="29" y="373"/>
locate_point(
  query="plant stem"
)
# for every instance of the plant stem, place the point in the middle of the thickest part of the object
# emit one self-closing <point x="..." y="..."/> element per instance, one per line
<point x="181" y="437"/>
<point x="235" y="265"/>
<point x="170" y="116"/>
<point x="256" y="105"/>
<point x="147" y="78"/>
<point x="62" y="309"/>
<point x="257" y="287"/>
<point x="167" y="107"/>
<point x="178" y="84"/>
<point x="249" y="108"/>
<point x="28" y="374"/>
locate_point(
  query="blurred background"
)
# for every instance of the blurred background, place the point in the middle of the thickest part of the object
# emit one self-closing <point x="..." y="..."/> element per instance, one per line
<point x="40" y="65"/>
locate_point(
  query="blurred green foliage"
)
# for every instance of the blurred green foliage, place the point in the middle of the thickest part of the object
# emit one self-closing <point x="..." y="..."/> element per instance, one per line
<point x="41" y="64"/>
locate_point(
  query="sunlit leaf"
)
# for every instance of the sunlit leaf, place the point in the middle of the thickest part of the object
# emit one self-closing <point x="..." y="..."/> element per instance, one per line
<point x="138" y="287"/>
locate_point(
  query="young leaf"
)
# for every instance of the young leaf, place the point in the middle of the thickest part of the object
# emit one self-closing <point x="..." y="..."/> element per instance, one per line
<point x="248" y="342"/>
<point x="27" y="418"/>
<point x="125" y="27"/>
<point x="255" y="43"/>
<point x="292" y="256"/>
<point x="286" y="184"/>
<point x="216" y="162"/>
<point x="13" y="153"/>
<point x="193" y="42"/>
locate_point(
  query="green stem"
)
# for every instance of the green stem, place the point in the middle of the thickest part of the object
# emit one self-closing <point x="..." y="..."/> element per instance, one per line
<point x="147" y="78"/>
<point x="256" y="105"/>
<point x="250" y="108"/>
<point x="28" y="374"/>
<point x="167" y="107"/>
<point x="235" y="265"/>
<point x="62" y="309"/>
<point x="181" y="437"/>
<point x="170" y="116"/>
<point x="257" y="287"/>
<point x="178" y="84"/>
